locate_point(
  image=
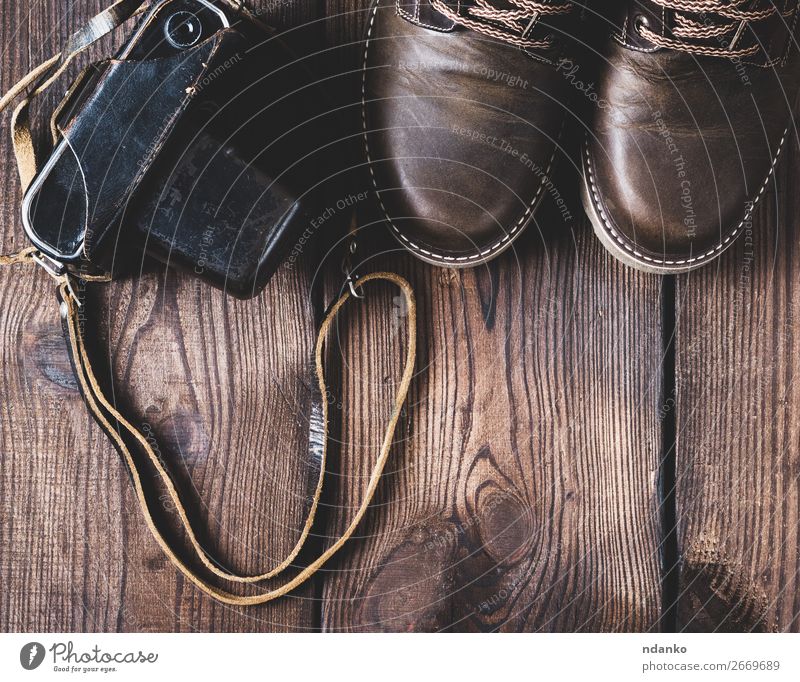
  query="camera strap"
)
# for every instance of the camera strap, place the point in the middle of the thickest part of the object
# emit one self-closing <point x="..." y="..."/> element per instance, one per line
<point x="135" y="450"/>
<point x="137" y="453"/>
<point x="44" y="75"/>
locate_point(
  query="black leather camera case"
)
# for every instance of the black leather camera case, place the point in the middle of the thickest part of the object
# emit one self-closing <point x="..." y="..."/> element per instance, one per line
<point x="213" y="157"/>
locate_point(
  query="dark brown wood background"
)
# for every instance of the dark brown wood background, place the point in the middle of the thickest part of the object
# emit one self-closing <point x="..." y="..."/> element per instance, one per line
<point x="561" y="399"/>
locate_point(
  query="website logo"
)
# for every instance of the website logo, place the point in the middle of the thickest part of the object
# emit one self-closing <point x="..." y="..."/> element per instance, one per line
<point x="31" y="655"/>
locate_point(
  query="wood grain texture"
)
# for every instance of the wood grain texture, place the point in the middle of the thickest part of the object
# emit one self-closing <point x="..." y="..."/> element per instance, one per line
<point x="221" y="385"/>
<point x="522" y="492"/>
<point x="738" y="425"/>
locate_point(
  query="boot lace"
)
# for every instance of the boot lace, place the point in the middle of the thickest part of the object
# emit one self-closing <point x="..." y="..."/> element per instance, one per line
<point x="512" y="24"/>
<point x="723" y="20"/>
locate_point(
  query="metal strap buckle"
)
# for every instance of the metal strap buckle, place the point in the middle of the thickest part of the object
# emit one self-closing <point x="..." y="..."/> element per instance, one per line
<point x="347" y="268"/>
<point x="58" y="271"/>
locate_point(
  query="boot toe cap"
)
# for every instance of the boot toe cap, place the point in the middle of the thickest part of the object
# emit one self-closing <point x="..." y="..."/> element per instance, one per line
<point x="459" y="158"/>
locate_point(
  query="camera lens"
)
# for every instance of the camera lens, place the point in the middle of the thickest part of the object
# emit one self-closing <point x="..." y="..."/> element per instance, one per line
<point x="183" y="29"/>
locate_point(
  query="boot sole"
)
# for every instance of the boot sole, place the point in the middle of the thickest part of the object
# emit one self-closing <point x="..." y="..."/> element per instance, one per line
<point x="626" y="251"/>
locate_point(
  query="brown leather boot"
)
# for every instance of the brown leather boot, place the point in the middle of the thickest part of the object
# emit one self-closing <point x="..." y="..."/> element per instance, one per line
<point x="698" y="100"/>
<point x="463" y="107"/>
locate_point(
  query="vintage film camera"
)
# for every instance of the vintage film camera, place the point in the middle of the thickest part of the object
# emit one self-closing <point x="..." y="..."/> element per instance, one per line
<point x="202" y="143"/>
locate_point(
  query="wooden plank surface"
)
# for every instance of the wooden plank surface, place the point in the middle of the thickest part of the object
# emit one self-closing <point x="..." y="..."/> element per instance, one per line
<point x="523" y="490"/>
<point x="738" y="450"/>
<point x="523" y="493"/>
<point x="222" y="384"/>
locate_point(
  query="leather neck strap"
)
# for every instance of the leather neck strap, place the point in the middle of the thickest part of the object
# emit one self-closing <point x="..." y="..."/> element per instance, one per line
<point x="44" y="75"/>
<point x="123" y="435"/>
<point x="134" y="448"/>
<point x="137" y="453"/>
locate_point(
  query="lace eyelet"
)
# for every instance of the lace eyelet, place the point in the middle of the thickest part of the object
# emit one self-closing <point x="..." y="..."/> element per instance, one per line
<point x="640" y="21"/>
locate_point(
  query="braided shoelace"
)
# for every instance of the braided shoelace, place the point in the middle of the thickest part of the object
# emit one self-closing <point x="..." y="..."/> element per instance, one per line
<point x="512" y="25"/>
<point x="727" y="24"/>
